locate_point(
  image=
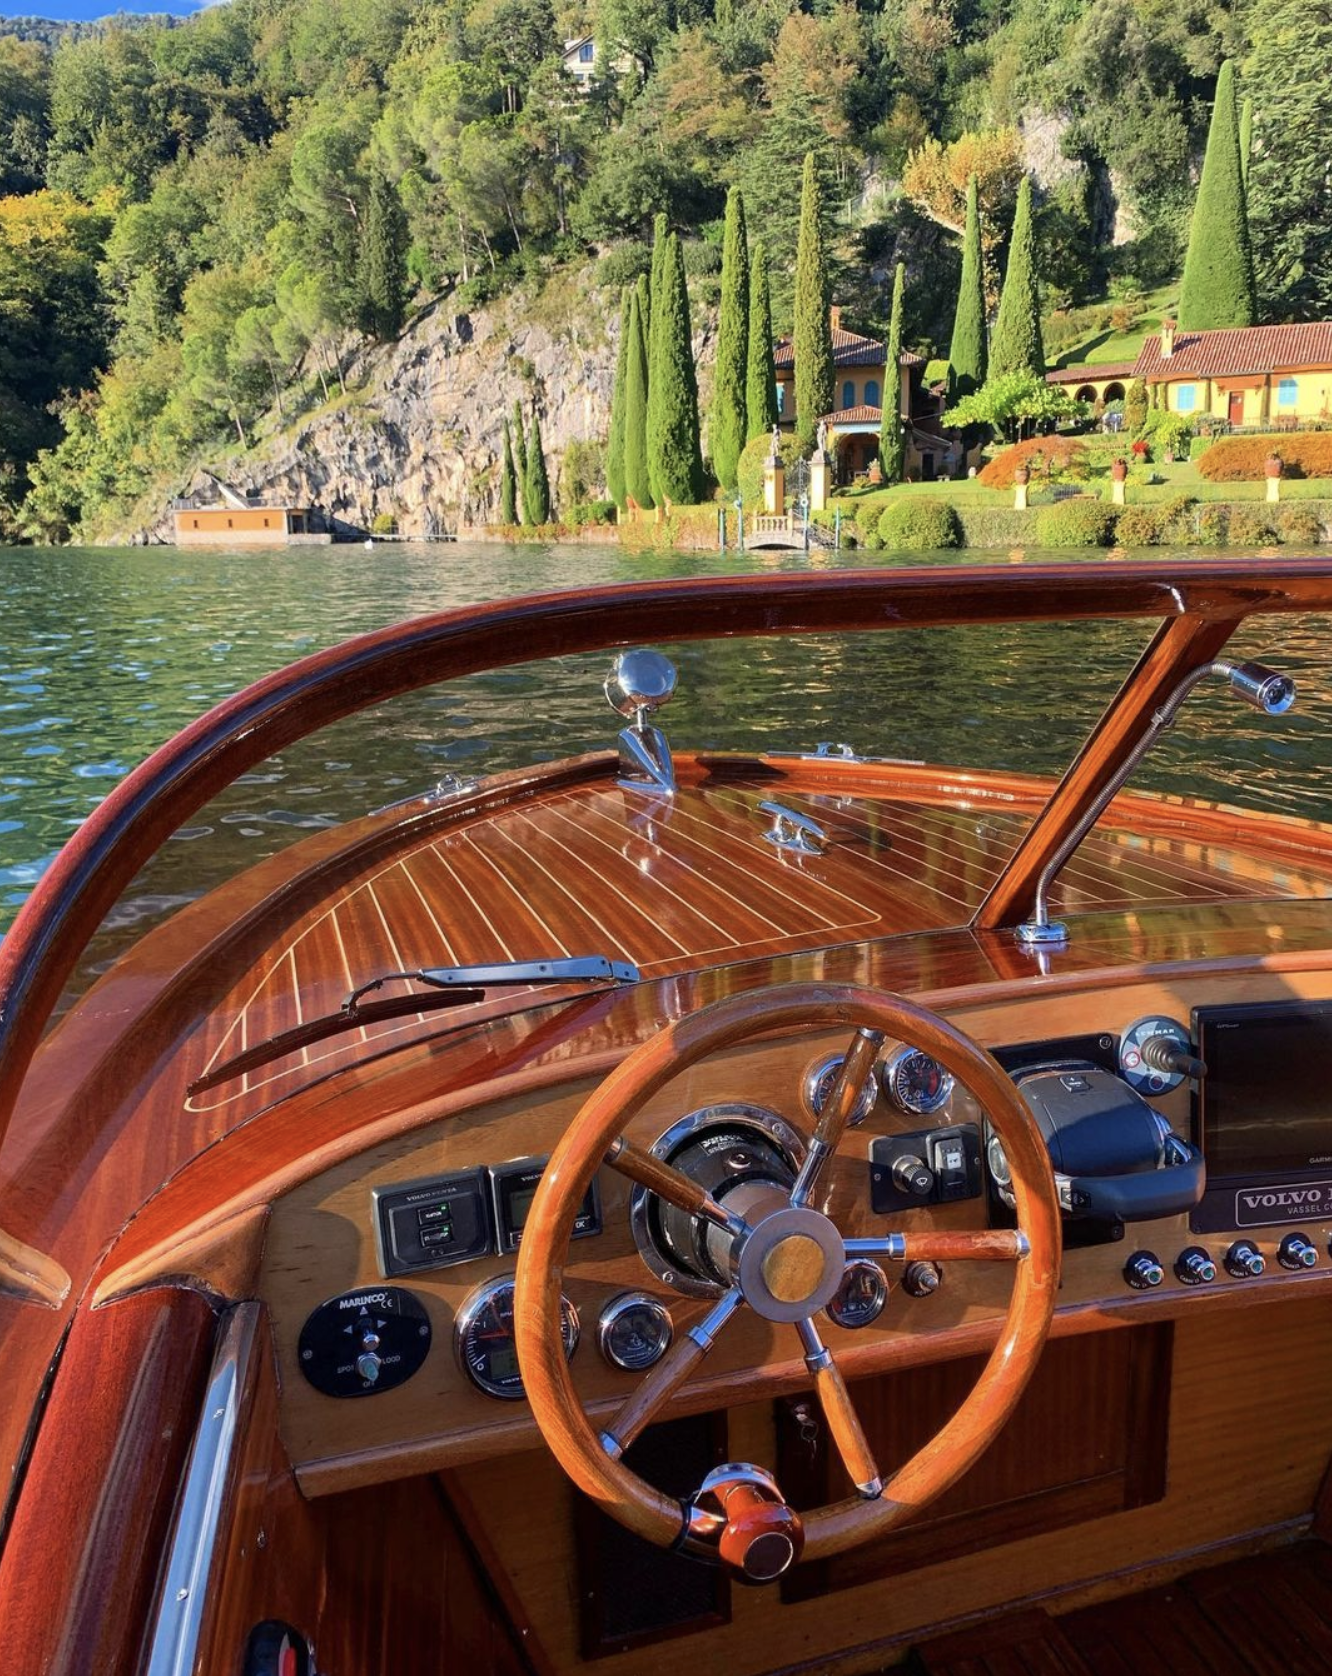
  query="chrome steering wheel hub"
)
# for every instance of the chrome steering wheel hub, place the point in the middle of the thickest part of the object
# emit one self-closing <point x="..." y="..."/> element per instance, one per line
<point x="790" y="1264"/>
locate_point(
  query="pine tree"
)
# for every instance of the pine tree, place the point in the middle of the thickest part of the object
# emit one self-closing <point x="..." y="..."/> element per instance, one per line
<point x="637" y="486"/>
<point x="520" y="459"/>
<point x="536" y="484"/>
<point x="508" y="493"/>
<point x="1246" y="141"/>
<point x="615" y="443"/>
<point x="675" y="465"/>
<point x="760" y="373"/>
<point x="891" y="445"/>
<point x="383" y="262"/>
<point x="812" y="338"/>
<point x="726" y="431"/>
<point x="1016" y="345"/>
<point x="966" y="353"/>
<point x="1218" y="289"/>
<point x="655" y="290"/>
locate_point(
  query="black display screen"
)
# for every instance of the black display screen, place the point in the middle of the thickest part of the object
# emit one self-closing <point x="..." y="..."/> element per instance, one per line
<point x="1265" y="1105"/>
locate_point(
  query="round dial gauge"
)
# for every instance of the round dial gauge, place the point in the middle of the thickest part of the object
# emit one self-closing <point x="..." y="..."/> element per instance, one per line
<point x="916" y="1083"/>
<point x="634" y="1331"/>
<point x="860" y="1298"/>
<point x="819" y="1080"/>
<point x="1001" y="1173"/>
<point x="1136" y="1071"/>
<point x="484" y="1343"/>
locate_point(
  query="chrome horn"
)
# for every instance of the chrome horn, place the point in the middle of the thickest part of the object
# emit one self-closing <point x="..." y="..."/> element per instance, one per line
<point x="639" y="683"/>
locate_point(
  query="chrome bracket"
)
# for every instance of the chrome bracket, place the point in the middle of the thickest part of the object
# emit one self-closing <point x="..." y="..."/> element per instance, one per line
<point x="1042" y="933"/>
<point x="793" y="831"/>
<point x="834" y="748"/>
<point x="645" y="758"/>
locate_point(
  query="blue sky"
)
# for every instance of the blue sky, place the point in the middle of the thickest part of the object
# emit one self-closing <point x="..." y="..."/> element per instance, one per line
<point x="64" y="10"/>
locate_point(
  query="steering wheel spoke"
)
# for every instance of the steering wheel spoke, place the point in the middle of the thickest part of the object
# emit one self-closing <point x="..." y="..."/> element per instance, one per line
<point x="938" y="1245"/>
<point x="670" y="1184"/>
<point x="667" y="1377"/>
<point x="843" y="1098"/>
<point x="840" y="1413"/>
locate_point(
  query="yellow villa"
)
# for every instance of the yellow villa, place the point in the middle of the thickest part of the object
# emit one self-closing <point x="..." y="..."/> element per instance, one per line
<point x="1251" y="377"/>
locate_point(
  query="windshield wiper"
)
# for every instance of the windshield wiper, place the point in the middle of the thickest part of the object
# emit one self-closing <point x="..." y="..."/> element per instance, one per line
<point x="453" y="986"/>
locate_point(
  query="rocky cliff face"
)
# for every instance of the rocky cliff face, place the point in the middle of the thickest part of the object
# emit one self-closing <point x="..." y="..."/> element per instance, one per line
<point x="418" y="434"/>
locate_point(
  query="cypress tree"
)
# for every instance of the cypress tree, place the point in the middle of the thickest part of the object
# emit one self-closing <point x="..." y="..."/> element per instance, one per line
<point x="727" y="431"/>
<point x="812" y="338"/>
<point x="892" y="448"/>
<point x="615" y="444"/>
<point x="966" y="353"/>
<point x="508" y="493"/>
<point x="520" y="458"/>
<point x="655" y="290"/>
<point x="1218" y="289"/>
<point x="383" y="261"/>
<point x="760" y="373"/>
<point x="1246" y="141"/>
<point x="675" y="465"/>
<point x="536" y="485"/>
<point x="636" y="484"/>
<point x="1016" y="345"/>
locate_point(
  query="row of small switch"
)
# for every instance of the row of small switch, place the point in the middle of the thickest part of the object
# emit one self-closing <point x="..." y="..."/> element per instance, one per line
<point x="1243" y="1260"/>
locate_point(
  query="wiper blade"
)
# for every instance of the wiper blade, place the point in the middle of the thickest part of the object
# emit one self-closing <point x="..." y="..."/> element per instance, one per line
<point x="452" y="986"/>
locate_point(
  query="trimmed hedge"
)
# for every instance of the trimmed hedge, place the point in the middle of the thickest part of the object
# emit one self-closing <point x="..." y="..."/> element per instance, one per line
<point x="1138" y="526"/>
<point x="1081" y="522"/>
<point x="1242" y="459"/>
<point x="1299" y="526"/>
<point x="997" y="526"/>
<point x="1045" y="457"/>
<point x="915" y="522"/>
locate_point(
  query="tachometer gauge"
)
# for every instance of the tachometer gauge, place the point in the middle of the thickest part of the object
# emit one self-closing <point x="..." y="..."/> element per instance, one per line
<point x="819" y="1080"/>
<point x="484" y="1344"/>
<point x="860" y="1298"/>
<point x="916" y="1083"/>
<point x="634" y="1331"/>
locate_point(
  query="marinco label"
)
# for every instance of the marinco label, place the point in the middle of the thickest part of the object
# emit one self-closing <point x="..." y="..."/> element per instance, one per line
<point x="1256" y="1206"/>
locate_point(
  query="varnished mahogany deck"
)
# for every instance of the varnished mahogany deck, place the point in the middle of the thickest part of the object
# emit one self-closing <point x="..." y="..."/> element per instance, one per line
<point x="674" y="885"/>
<point x="1261" y="1617"/>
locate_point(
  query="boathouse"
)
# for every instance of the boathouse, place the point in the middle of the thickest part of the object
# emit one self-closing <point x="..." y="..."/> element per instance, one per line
<point x="236" y="520"/>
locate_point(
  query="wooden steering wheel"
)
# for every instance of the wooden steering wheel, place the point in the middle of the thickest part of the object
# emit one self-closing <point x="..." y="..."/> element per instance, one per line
<point x="785" y="1265"/>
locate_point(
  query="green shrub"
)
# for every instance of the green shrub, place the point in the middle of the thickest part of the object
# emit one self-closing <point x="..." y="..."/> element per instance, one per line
<point x="623" y="264"/>
<point x="915" y="522"/>
<point x="1249" y="526"/>
<point x="701" y="257"/>
<point x="592" y="512"/>
<point x="1175" y="518"/>
<point x="1081" y="522"/>
<point x="384" y="523"/>
<point x="869" y="539"/>
<point x="1299" y="526"/>
<point x="1199" y="446"/>
<point x="1211" y="526"/>
<point x="997" y="526"/>
<point x="1139" y="526"/>
<point x="1048" y="458"/>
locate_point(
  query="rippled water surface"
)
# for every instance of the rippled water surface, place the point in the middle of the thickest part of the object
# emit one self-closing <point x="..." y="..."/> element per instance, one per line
<point x="104" y="654"/>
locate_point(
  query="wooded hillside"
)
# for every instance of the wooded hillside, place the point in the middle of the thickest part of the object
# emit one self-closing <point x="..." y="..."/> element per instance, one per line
<point x="205" y="219"/>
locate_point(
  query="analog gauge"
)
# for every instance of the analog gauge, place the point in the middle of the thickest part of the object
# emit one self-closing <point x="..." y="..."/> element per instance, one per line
<point x="819" y="1080"/>
<point x="484" y="1344"/>
<point x="916" y="1083"/>
<point x="860" y="1298"/>
<point x="1000" y="1172"/>
<point x="634" y="1331"/>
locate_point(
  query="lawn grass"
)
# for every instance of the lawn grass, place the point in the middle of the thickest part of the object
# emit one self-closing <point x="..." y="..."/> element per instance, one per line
<point x="1106" y="345"/>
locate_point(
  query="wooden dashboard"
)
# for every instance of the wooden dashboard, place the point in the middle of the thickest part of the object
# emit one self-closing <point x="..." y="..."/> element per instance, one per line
<point x="321" y="1242"/>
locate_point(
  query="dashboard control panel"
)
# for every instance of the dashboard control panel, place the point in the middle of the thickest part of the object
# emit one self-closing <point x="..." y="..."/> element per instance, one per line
<point x="929" y="1167"/>
<point x="364" y="1342"/>
<point x="441" y="1220"/>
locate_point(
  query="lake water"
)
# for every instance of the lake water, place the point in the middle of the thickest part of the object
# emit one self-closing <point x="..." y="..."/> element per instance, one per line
<point x="105" y="653"/>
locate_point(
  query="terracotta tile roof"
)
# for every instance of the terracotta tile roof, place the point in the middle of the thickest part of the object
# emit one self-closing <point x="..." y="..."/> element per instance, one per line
<point x="849" y="350"/>
<point x="1091" y="372"/>
<point x="855" y="416"/>
<point x="1247" y="349"/>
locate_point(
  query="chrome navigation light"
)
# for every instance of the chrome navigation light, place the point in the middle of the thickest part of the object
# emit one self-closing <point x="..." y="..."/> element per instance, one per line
<point x="639" y="683"/>
<point x="1255" y="683"/>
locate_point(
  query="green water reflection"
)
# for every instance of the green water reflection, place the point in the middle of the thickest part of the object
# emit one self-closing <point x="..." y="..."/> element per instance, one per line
<point x="105" y="654"/>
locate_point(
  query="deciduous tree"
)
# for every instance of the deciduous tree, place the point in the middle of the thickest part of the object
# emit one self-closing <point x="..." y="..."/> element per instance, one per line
<point x="937" y="179"/>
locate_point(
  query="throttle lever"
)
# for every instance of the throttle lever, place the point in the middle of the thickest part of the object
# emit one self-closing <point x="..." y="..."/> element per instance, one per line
<point x="1163" y="1053"/>
<point x="740" y="1517"/>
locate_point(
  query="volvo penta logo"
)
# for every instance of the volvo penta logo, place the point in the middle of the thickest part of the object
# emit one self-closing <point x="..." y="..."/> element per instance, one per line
<point x="1257" y="1205"/>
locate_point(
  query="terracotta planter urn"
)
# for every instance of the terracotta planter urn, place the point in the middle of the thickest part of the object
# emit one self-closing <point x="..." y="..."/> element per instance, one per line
<point x="1021" y="476"/>
<point x="1274" y="465"/>
<point x="1118" y="470"/>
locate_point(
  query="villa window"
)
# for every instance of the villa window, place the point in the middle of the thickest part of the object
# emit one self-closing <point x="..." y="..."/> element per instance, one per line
<point x="1186" y="398"/>
<point x="586" y="52"/>
<point x="849" y="392"/>
<point x="871" y="392"/>
<point x="781" y="398"/>
<point x="1287" y="391"/>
